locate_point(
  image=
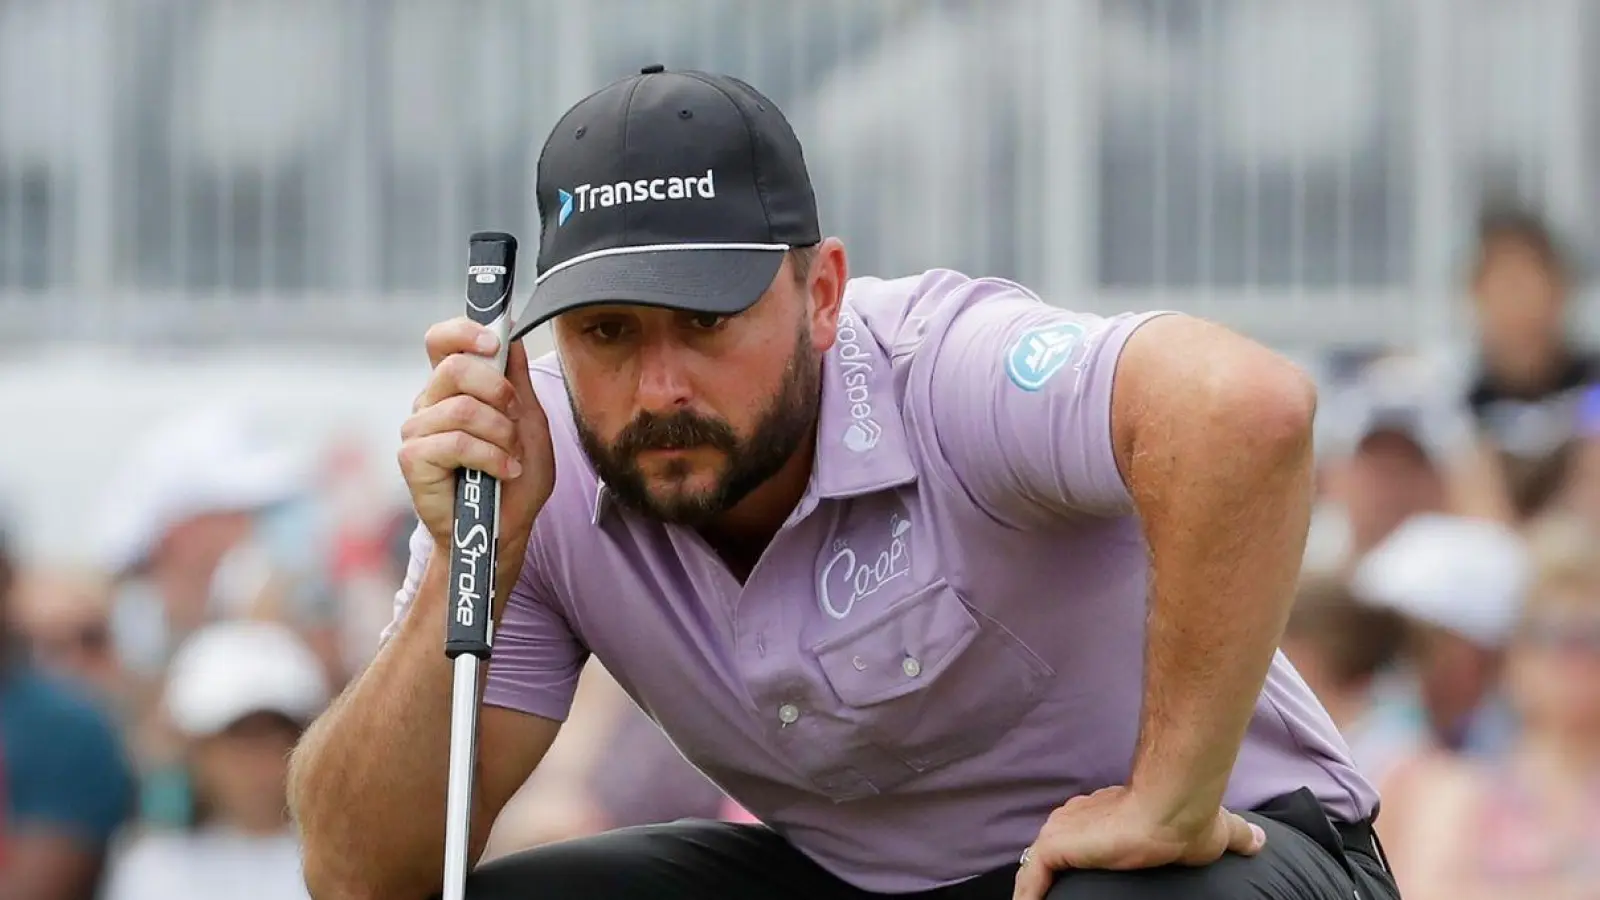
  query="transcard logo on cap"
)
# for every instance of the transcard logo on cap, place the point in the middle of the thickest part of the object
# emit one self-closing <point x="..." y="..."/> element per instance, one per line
<point x="586" y="197"/>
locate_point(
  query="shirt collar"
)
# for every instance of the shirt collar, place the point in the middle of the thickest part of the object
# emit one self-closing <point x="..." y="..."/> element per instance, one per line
<point x="862" y="443"/>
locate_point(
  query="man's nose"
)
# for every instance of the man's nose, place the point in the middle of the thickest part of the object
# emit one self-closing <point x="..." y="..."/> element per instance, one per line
<point x="663" y="380"/>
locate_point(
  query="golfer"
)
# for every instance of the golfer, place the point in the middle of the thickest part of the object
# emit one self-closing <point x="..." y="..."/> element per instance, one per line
<point x="965" y="596"/>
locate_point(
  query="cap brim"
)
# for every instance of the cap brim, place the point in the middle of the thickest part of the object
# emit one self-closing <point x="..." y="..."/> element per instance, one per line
<point x="706" y="281"/>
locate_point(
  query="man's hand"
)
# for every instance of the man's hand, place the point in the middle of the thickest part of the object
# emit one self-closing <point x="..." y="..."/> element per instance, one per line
<point x="1111" y="829"/>
<point x="470" y="414"/>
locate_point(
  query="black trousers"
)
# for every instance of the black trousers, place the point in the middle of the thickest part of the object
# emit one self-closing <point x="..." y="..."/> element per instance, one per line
<point x="1307" y="857"/>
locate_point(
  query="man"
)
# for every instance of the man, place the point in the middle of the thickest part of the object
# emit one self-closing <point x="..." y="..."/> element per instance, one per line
<point x="66" y="784"/>
<point x="238" y="695"/>
<point x="61" y="615"/>
<point x="181" y="537"/>
<point x="875" y="555"/>
<point x="1390" y="451"/>
<point x="1459" y="583"/>
<point x="1530" y="372"/>
<point x="177" y="522"/>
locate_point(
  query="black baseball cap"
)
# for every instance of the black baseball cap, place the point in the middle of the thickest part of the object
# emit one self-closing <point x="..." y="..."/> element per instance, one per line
<point x="674" y="189"/>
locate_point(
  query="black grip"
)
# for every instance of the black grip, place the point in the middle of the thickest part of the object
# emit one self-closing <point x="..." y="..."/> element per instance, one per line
<point x="491" y="271"/>
<point x="472" y="564"/>
<point x="475" y="540"/>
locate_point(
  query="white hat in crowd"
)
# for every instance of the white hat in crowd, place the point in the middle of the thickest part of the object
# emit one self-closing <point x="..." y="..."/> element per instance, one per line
<point x="232" y="669"/>
<point x="1399" y="394"/>
<point x="211" y="461"/>
<point x="1464" y="575"/>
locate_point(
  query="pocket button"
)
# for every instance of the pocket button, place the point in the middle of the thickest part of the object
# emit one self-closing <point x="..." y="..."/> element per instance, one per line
<point x="911" y="667"/>
<point x="788" y="714"/>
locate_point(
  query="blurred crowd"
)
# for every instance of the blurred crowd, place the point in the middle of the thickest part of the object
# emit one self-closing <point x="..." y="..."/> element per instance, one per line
<point x="1449" y="618"/>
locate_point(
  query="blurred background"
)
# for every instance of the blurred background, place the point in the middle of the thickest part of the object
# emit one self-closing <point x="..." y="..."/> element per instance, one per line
<point x="225" y="225"/>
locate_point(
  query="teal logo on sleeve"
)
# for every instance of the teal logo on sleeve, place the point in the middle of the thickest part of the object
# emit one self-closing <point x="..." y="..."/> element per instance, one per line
<point x="1039" y="353"/>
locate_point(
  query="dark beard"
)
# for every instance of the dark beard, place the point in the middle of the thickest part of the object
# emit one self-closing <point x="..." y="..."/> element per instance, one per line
<point x="783" y="425"/>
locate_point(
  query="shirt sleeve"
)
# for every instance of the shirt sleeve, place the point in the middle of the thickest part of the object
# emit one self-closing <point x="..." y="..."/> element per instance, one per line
<point x="537" y="656"/>
<point x="1019" y="394"/>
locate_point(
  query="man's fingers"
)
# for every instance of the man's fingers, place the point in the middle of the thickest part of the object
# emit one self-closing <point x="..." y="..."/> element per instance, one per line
<point x="463" y="413"/>
<point x="1243" y="837"/>
<point x="458" y="335"/>
<point x="1033" y="880"/>
<point x="439" y="455"/>
<point x="468" y="374"/>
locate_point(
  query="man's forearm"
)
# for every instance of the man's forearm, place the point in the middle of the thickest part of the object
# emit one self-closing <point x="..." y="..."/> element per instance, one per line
<point x="369" y="780"/>
<point x="1226" y="498"/>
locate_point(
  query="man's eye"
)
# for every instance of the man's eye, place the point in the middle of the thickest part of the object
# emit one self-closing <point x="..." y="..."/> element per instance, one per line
<point x="707" y="321"/>
<point x="606" y="332"/>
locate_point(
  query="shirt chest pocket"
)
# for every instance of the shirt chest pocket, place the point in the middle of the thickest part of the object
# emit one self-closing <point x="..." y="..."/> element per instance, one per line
<point x="929" y="680"/>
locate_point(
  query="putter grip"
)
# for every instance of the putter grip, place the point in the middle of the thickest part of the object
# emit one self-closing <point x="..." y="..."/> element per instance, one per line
<point x="475" y="538"/>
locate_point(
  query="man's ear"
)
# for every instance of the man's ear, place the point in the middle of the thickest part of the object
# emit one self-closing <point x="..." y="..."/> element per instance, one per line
<point x="830" y="271"/>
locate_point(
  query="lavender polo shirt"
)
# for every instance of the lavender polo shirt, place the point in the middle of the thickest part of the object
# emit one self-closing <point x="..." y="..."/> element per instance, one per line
<point x="945" y="640"/>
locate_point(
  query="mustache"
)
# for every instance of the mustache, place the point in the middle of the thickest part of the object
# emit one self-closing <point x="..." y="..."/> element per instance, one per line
<point x="678" y="431"/>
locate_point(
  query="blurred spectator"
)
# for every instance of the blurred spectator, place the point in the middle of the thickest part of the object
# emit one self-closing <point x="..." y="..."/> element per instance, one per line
<point x="191" y="492"/>
<point x="239" y="694"/>
<point x="1340" y="647"/>
<point x="182" y="544"/>
<point x="1390" y="447"/>
<point x="62" y="616"/>
<point x="1526" y="824"/>
<point x="66" y="783"/>
<point x="1459" y="583"/>
<point x="1530" y="374"/>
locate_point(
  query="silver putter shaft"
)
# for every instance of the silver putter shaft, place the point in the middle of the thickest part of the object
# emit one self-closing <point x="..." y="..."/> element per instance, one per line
<point x="491" y="271"/>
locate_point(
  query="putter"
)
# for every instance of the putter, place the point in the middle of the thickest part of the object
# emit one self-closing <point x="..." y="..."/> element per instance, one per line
<point x="469" y="633"/>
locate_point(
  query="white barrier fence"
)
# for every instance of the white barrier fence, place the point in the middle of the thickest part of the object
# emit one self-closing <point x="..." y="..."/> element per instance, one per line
<point x="305" y="171"/>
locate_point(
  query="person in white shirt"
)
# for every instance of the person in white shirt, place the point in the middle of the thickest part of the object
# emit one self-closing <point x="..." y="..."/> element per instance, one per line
<point x="239" y="693"/>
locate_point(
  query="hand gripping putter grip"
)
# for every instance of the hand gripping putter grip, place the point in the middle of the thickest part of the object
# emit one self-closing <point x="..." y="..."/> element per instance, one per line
<point x="491" y="271"/>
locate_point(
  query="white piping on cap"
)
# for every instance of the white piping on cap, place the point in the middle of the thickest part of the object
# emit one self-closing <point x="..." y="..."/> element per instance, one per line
<point x="654" y="248"/>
